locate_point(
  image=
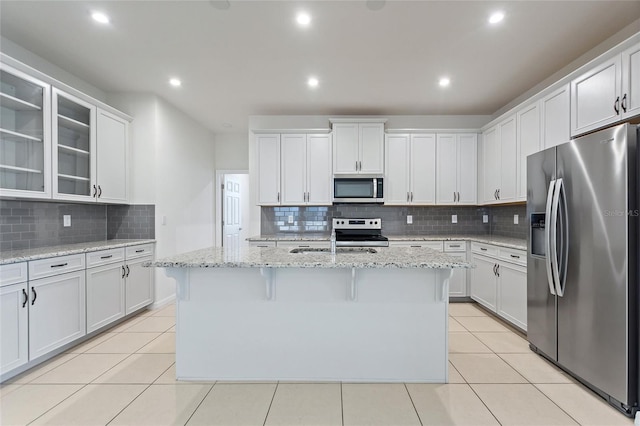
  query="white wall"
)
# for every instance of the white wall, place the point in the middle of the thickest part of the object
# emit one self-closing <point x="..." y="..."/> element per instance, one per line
<point x="232" y="151"/>
<point x="172" y="166"/>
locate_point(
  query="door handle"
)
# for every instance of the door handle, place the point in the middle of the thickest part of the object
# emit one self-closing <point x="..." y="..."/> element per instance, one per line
<point x="278" y="196"/>
<point x="624" y="103"/>
<point x="548" y="236"/>
<point x="95" y="191"/>
<point x="498" y="194"/>
<point x="412" y="196"/>
<point x="407" y="197"/>
<point x="498" y="270"/>
<point x="35" y="295"/>
<point x="99" y="191"/>
<point x="495" y="194"/>
<point x="562" y="262"/>
<point x="555" y="269"/>
<point x="454" y="196"/>
<point x="128" y="270"/>
<point x="494" y="269"/>
<point x="616" y="106"/>
<point x="123" y="271"/>
<point x="26" y="297"/>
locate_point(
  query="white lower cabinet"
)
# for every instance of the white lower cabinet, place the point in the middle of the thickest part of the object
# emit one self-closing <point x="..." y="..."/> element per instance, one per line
<point x="139" y="284"/>
<point x="303" y="244"/>
<point x="500" y="285"/>
<point x="56" y="312"/>
<point x="14" y="323"/>
<point x="105" y="295"/>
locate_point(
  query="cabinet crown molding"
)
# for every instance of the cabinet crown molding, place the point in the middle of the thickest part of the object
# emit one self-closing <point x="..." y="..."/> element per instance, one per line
<point x="356" y="120"/>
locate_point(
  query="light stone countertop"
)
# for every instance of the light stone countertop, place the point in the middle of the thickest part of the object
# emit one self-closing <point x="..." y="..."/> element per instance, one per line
<point x="15" y="256"/>
<point x="507" y="242"/>
<point x="273" y="257"/>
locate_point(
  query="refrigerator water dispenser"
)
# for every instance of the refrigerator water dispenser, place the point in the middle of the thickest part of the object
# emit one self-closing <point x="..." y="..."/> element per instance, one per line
<point x="538" y="239"/>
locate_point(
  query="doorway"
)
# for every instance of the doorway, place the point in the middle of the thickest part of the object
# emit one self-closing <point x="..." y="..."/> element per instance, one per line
<point x="232" y="208"/>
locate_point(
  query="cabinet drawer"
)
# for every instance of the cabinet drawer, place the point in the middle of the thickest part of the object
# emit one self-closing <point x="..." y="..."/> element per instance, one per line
<point x="56" y="265"/>
<point x="515" y="256"/>
<point x="455" y="246"/>
<point x="436" y="245"/>
<point x="13" y="273"/>
<point x="262" y="244"/>
<point x="486" y="249"/>
<point x="139" y="251"/>
<point x="104" y="257"/>
<point x="303" y="244"/>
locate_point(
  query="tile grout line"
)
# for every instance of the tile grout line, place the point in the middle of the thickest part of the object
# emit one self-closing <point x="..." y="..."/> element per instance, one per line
<point x="127" y="406"/>
<point x="341" y="403"/>
<point x="553" y="402"/>
<point x="413" y="404"/>
<point x="483" y="403"/>
<point x="270" y="404"/>
<point x="70" y="384"/>
<point x="200" y="403"/>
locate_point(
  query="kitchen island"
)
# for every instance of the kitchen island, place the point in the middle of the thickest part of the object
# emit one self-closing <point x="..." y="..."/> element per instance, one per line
<point x="263" y="314"/>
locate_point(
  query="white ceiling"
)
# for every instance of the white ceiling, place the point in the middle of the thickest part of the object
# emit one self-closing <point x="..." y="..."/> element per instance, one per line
<point x="253" y="59"/>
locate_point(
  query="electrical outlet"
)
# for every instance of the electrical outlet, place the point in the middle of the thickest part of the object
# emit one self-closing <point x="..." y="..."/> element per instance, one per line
<point x="66" y="220"/>
<point x="409" y="219"/>
<point x="516" y="219"/>
<point x="454" y="218"/>
<point x="485" y="218"/>
<point x="290" y="219"/>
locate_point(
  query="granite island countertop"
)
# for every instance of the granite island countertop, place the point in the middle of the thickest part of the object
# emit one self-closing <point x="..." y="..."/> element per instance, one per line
<point x="507" y="242"/>
<point x="256" y="257"/>
<point x="15" y="256"/>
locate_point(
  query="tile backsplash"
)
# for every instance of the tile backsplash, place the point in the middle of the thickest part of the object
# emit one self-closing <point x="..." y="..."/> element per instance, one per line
<point x="33" y="224"/>
<point x="431" y="220"/>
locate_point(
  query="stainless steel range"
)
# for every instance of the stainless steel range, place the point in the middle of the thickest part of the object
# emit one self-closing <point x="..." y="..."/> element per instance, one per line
<point x="359" y="232"/>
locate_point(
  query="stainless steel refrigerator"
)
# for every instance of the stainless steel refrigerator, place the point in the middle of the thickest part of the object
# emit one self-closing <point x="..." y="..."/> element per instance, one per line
<point x="582" y="268"/>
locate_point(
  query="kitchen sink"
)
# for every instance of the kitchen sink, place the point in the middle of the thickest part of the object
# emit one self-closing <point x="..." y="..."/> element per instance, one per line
<point x="339" y="250"/>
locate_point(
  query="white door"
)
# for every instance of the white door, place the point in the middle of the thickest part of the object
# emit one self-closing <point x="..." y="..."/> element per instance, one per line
<point x="56" y="312"/>
<point x="483" y="282"/>
<point x="508" y="160"/>
<point x="14" y="308"/>
<point x="528" y="143"/>
<point x="556" y="118"/>
<point x="422" y="168"/>
<point x="371" y="148"/>
<point x="396" y="183"/>
<point x="268" y="148"/>
<point x="345" y="147"/>
<point x="458" y="280"/>
<point x="467" y="168"/>
<point x="319" y="174"/>
<point x="595" y="97"/>
<point x="138" y="284"/>
<point x="105" y="295"/>
<point x="447" y="168"/>
<point x="232" y="225"/>
<point x="512" y="297"/>
<point x="630" y="102"/>
<point x="293" y="156"/>
<point x="111" y="154"/>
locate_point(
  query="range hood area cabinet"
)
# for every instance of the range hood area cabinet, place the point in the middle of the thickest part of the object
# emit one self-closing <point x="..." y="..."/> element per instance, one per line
<point x="294" y="169"/>
<point x="56" y="144"/>
<point x="410" y="162"/>
<point x="607" y="93"/>
<point x="358" y="146"/>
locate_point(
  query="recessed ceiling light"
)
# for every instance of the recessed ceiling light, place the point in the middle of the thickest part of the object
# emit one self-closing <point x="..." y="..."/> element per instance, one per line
<point x="303" y="19"/>
<point x="496" y="17"/>
<point x="444" y="82"/>
<point x="175" y="82"/>
<point x="100" y="17"/>
<point x="313" y="82"/>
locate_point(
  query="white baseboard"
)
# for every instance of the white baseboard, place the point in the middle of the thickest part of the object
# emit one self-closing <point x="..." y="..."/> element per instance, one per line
<point x="160" y="303"/>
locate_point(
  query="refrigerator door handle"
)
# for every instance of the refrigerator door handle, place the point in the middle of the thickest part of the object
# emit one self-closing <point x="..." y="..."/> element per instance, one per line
<point x="547" y="237"/>
<point x="555" y="268"/>
<point x="564" y="240"/>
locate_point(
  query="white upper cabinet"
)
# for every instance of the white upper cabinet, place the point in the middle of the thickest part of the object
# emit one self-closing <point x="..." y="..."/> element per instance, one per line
<point x="630" y="102"/>
<point x="306" y="169"/>
<point x="358" y="148"/>
<point x="25" y="135"/>
<point x="268" y="184"/>
<point x="508" y="159"/>
<point x="456" y="168"/>
<point x="555" y="117"/>
<point x="111" y="158"/>
<point x="410" y="164"/>
<point x="528" y="125"/>
<point x="606" y="93"/>
<point x="490" y="164"/>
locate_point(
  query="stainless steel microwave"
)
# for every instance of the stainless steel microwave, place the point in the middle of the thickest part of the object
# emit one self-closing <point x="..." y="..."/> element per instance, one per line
<point x="360" y="189"/>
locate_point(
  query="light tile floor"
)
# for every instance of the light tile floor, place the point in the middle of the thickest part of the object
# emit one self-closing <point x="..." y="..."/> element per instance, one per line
<point x="126" y="376"/>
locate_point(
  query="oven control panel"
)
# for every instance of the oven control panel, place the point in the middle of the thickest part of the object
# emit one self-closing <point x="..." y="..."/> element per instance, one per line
<point x="351" y="223"/>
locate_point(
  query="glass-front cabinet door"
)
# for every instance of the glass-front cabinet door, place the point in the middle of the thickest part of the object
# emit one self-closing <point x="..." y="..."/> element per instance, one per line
<point x="74" y="147"/>
<point x="25" y="138"/>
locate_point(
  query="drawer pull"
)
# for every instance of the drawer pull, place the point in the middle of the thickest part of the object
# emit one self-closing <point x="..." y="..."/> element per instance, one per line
<point x="303" y="246"/>
<point x="262" y="246"/>
<point x="515" y="257"/>
<point x="483" y="249"/>
<point x="454" y="245"/>
<point x="60" y="265"/>
<point x="106" y="257"/>
<point x="139" y="251"/>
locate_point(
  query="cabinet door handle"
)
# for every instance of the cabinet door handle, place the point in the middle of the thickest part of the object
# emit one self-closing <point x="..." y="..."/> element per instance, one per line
<point x="616" y="106"/>
<point x="26" y="297"/>
<point x="515" y="257"/>
<point x="494" y="268"/>
<point x="99" y="191"/>
<point x="106" y="257"/>
<point x="278" y="196"/>
<point x="60" y="265"/>
<point x="412" y="196"/>
<point x="498" y="270"/>
<point x="498" y="194"/>
<point x="95" y="191"/>
<point x="624" y="103"/>
<point x="35" y="295"/>
<point x="495" y="194"/>
<point x="458" y="197"/>
<point x="128" y="270"/>
<point x="139" y="251"/>
<point x="123" y="272"/>
<point x="407" y="197"/>
<point x="454" y="245"/>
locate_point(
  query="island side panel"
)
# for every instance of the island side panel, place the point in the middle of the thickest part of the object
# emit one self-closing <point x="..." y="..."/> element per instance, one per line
<point x="395" y="330"/>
